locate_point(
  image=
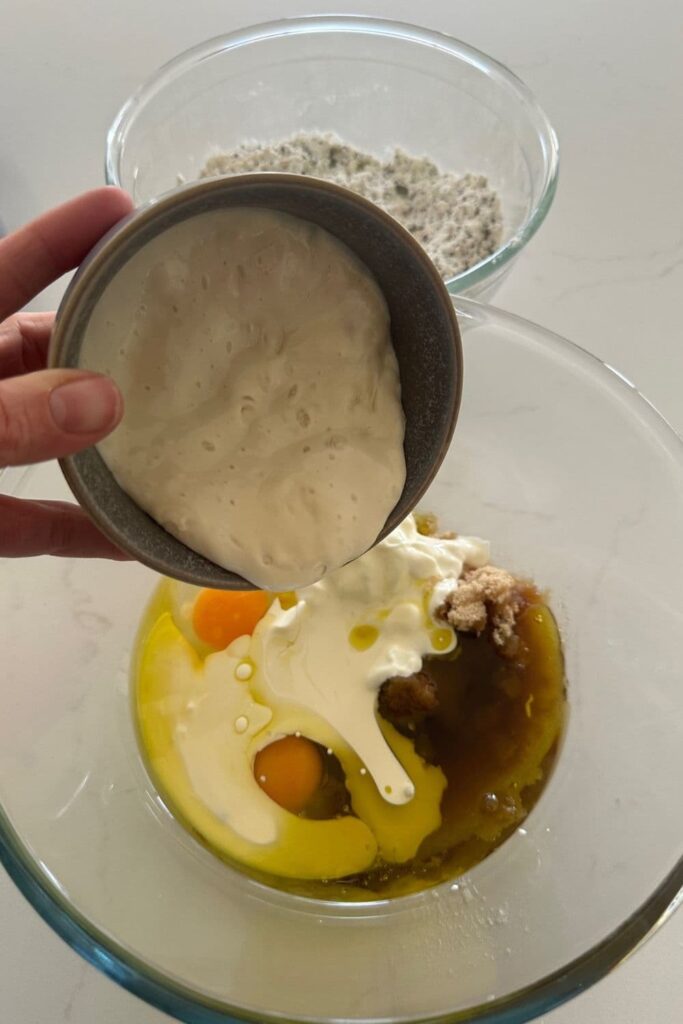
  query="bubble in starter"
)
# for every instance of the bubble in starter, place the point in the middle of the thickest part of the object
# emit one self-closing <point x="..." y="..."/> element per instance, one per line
<point x="241" y="724"/>
<point x="244" y="671"/>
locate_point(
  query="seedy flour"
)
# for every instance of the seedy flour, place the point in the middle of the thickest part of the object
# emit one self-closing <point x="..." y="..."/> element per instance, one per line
<point x="456" y="218"/>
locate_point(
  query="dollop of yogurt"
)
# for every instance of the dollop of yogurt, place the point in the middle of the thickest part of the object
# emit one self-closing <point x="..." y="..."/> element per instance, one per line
<point x="309" y="656"/>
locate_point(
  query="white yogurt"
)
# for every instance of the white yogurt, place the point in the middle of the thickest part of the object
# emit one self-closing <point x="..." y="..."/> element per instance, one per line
<point x="305" y="657"/>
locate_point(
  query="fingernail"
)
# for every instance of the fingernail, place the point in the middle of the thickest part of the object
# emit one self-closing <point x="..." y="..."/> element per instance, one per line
<point x="85" y="406"/>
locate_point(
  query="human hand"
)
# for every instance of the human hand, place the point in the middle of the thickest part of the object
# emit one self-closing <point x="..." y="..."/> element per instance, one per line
<point x="45" y="414"/>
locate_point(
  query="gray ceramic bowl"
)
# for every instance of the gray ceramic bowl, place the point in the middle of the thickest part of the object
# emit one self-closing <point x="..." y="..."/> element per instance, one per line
<point x="424" y="333"/>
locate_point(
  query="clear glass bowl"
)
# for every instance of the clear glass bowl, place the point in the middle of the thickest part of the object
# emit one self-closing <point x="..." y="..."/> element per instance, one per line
<point x="577" y="481"/>
<point x="377" y="84"/>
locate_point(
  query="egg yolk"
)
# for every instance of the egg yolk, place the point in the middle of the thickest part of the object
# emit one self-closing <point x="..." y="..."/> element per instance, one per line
<point x="289" y="771"/>
<point x="220" y="616"/>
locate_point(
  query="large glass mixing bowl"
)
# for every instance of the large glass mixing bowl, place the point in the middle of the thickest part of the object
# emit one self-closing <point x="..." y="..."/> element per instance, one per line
<point x="376" y="84"/>
<point x="578" y="482"/>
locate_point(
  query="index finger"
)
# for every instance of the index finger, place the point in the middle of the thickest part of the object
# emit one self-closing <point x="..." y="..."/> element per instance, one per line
<point x="39" y="253"/>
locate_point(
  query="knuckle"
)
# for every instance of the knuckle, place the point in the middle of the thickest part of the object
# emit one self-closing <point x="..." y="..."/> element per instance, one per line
<point x="20" y="527"/>
<point x="23" y="342"/>
<point x="29" y="353"/>
<point x="6" y="429"/>
<point x="15" y="431"/>
<point x="11" y="356"/>
<point x="59" y="533"/>
<point x="7" y="329"/>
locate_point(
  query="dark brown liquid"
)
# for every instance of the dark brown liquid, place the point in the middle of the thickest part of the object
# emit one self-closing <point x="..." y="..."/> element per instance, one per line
<point x="494" y="736"/>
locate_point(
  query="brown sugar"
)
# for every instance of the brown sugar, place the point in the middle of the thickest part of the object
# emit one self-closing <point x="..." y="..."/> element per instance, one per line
<point x="408" y="696"/>
<point x="488" y="596"/>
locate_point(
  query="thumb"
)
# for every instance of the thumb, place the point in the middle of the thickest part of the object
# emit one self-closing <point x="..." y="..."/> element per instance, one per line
<point x="51" y="413"/>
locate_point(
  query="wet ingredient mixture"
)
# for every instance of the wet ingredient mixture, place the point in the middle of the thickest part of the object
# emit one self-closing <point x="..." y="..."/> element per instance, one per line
<point x="370" y="735"/>
<point x="263" y="424"/>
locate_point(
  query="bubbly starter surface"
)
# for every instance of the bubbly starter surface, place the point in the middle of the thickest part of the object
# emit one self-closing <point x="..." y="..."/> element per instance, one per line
<point x="263" y="424"/>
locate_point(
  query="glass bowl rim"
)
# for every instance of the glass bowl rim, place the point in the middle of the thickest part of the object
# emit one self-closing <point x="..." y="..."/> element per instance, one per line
<point x="131" y="972"/>
<point x="505" y="79"/>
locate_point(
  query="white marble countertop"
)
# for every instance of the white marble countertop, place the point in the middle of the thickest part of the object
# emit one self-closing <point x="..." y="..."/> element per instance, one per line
<point x="606" y="271"/>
